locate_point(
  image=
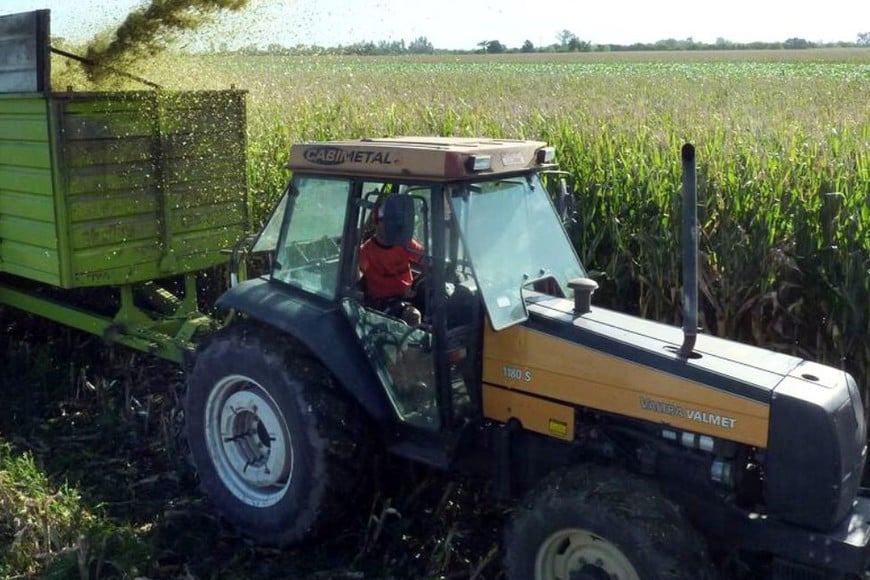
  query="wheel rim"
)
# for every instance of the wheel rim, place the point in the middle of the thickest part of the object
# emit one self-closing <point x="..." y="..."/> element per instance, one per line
<point x="248" y="440"/>
<point x="577" y="554"/>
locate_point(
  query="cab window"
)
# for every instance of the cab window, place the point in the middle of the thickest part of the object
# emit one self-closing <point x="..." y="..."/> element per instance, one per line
<point x="309" y="249"/>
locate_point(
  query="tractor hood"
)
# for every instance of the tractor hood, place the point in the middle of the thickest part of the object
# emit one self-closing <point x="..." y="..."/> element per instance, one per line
<point x="807" y="417"/>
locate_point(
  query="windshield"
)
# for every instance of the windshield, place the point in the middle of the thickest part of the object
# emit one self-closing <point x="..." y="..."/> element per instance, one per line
<point x="513" y="237"/>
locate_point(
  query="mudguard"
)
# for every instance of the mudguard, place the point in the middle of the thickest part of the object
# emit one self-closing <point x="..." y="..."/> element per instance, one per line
<point x="322" y="327"/>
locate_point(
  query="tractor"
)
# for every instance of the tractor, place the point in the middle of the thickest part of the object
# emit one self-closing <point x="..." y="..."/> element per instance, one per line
<point x="634" y="449"/>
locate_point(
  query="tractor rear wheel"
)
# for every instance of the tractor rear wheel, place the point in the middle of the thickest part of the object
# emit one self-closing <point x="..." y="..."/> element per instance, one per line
<point x="594" y="522"/>
<point x="277" y="448"/>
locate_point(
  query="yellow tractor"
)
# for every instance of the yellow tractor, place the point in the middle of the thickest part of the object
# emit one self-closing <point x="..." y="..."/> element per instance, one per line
<point x="633" y="447"/>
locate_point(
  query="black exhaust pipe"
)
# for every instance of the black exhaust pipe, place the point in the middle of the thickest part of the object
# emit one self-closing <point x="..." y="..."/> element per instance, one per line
<point x="690" y="251"/>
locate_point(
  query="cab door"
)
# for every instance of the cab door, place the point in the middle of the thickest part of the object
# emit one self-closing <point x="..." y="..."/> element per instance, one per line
<point x="403" y="356"/>
<point x="423" y="368"/>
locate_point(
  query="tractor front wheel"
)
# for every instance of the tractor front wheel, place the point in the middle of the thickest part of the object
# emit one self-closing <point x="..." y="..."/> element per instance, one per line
<point x="596" y="522"/>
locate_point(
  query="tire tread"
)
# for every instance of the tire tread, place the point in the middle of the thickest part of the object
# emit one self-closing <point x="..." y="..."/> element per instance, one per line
<point x="601" y="496"/>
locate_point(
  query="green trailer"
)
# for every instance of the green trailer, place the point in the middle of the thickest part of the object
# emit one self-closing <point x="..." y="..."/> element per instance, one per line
<point x="134" y="192"/>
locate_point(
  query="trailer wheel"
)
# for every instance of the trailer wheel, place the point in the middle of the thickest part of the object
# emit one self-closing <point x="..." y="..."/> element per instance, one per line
<point x="277" y="449"/>
<point x="593" y="523"/>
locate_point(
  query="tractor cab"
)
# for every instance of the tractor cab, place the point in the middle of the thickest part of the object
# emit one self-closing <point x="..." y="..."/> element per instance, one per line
<point x="466" y="223"/>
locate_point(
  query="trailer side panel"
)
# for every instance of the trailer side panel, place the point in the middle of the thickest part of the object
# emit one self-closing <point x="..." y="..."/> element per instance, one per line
<point x="28" y="233"/>
<point x="155" y="184"/>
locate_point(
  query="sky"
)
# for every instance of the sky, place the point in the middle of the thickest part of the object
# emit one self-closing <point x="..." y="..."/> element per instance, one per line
<point x="463" y="24"/>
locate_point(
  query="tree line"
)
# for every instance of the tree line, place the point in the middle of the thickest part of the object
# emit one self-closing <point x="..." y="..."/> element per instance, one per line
<point x="566" y="41"/>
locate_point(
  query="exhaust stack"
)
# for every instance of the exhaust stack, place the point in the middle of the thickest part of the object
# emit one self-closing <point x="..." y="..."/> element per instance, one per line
<point x="690" y="251"/>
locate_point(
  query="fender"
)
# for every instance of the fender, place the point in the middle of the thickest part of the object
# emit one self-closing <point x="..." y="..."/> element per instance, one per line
<point x="322" y="327"/>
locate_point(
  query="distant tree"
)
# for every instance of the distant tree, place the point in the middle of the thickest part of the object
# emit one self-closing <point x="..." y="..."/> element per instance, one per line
<point x="864" y="39"/>
<point x="390" y="47"/>
<point x="421" y="45"/>
<point x="491" y="46"/>
<point x="495" y="47"/>
<point x="577" y="45"/>
<point x="797" y="43"/>
<point x="566" y="37"/>
<point x="360" y="48"/>
<point x="527" y="47"/>
<point x="667" y="44"/>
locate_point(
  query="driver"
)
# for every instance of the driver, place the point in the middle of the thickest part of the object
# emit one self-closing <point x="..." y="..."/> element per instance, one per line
<point x="386" y="270"/>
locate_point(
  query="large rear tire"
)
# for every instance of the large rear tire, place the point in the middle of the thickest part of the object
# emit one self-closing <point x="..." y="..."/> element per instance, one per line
<point x="277" y="448"/>
<point x="595" y="522"/>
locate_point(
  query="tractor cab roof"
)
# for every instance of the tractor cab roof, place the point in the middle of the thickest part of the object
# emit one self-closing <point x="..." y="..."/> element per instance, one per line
<point x="435" y="158"/>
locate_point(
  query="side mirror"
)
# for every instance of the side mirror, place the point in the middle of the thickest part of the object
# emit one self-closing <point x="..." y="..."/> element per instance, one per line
<point x="564" y="202"/>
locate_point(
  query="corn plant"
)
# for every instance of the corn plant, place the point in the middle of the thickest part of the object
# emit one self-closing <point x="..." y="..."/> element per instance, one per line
<point x="784" y="172"/>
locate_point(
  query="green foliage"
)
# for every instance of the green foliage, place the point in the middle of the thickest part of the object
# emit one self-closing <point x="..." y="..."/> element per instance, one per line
<point x="34" y="518"/>
<point x="492" y="46"/>
<point x="784" y="261"/>
<point x="48" y="526"/>
<point x="421" y="45"/>
<point x="45" y="529"/>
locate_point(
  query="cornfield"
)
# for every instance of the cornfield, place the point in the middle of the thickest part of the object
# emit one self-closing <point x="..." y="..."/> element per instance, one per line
<point x="783" y="143"/>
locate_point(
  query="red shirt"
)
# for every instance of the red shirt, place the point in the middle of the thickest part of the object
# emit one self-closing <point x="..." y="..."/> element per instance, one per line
<point x="387" y="269"/>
